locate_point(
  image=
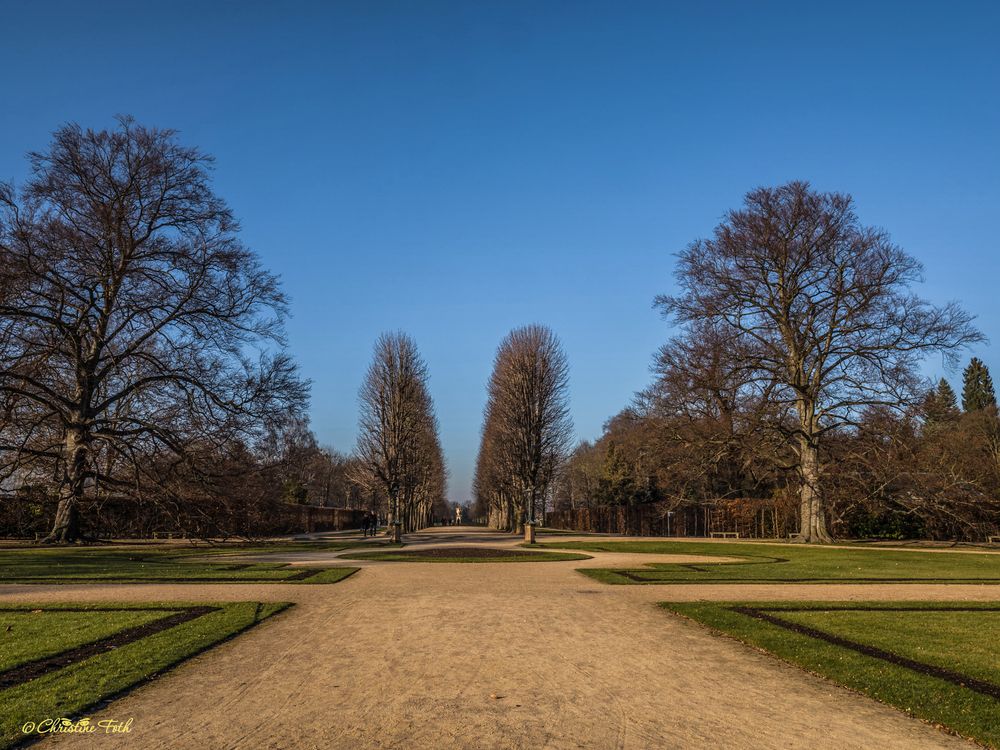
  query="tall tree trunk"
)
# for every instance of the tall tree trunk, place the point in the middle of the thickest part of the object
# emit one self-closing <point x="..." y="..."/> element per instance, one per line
<point x="811" y="511"/>
<point x="394" y="516"/>
<point x="67" y="522"/>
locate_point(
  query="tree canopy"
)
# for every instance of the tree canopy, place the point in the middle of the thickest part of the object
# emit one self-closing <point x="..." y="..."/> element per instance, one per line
<point x="136" y="329"/>
<point x="821" y="309"/>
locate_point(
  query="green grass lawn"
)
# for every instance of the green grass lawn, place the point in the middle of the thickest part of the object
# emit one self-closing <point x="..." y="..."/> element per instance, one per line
<point x="51" y="631"/>
<point x="791" y="563"/>
<point x="26" y="636"/>
<point x="466" y="555"/>
<point x="934" y="660"/>
<point x="559" y="532"/>
<point x="166" y="564"/>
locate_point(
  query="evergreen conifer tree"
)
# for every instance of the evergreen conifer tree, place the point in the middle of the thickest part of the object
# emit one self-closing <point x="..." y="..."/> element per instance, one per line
<point x="941" y="404"/>
<point x="977" y="387"/>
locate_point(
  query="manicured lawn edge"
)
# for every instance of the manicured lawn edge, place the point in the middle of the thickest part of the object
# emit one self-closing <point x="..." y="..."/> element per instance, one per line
<point x="616" y="577"/>
<point x="73" y="690"/>
<point x="403" y="556"/>
<point x="925" y="697"/>
<point x="785" y="564"/>
<point x="88" y="565"/>
<point x="329" y="575"/>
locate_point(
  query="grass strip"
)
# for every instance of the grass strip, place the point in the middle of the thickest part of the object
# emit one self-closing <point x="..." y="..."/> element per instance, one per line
<point x="118" y="565"/>
<point x="70" y="691"/>
<point x="30" y="635"/>
<point x="759" y="563"/>
<point x="886" y="652"/>
<point x="466" y="555"/>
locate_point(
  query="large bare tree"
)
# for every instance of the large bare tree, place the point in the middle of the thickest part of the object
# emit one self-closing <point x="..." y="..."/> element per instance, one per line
<point x="133" y="321"/>
<point x="398" y="446"/>
<point x="823" y="311"/>
<point x="527" y="427"/>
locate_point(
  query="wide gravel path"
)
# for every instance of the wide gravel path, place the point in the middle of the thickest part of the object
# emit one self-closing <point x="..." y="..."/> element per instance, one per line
<point x="494" y="655"/>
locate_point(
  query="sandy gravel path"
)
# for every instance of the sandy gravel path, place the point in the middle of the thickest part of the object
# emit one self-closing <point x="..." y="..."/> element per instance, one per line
<point x="411" y="655"/>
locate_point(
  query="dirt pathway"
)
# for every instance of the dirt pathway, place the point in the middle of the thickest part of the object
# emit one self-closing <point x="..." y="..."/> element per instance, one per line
<point x="501" y="655"/>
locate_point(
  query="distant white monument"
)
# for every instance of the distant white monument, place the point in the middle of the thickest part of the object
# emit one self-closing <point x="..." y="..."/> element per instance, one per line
<point x="458" y="516"/>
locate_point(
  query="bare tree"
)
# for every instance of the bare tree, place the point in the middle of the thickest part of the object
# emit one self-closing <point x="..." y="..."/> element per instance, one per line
<point x="495" y="476"/>
<point x="527" y="427"/>
<point x="398" y="446"/>
<point x="132" y="319"/>
<point x="710" y="412"/>
<point x="823" y="309"/>
<point x="424" y="487"/>
<point x="577" y="484"/>
<point x="899" y="475"/>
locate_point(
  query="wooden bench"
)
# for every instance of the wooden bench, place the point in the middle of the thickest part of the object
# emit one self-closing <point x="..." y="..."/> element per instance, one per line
<point x="725" y="535"/>
<point x="993" y="540"/>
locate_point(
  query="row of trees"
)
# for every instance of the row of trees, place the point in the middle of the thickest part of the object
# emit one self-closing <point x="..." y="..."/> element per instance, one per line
<point x="795" y="373"/>
<point x="143" y="365"/>
<point x="312" y="474"/>
<point x="929" y="470"/>
<point x="526" y="429"/>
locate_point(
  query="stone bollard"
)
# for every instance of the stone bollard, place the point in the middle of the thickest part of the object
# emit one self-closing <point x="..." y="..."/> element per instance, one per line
<point x="529" y="533"/>
<point x="397" y="536"/>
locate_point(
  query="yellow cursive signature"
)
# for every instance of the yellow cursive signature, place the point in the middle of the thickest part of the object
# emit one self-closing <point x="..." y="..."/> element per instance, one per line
<point x="82" y="726"/>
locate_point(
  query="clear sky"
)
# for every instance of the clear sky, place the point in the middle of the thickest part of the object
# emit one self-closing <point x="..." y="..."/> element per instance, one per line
<point x="455" y="169"/>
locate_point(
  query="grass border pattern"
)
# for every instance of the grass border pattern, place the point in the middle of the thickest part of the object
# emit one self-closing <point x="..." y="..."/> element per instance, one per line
<point x="162" y="564"/>
<point x="474" y="555"/>
<point x="750" y="563"/>
<point x="634" y="575"/>
<point x="948" y="675"/>
<point x="39" y="667"/>
<point x="894" y="662"/>
<point x="70" y="689"/>
<point x="305" y="575"/>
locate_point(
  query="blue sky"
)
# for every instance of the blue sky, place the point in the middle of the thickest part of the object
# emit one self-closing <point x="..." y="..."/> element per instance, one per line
<point x="457" y="169"/>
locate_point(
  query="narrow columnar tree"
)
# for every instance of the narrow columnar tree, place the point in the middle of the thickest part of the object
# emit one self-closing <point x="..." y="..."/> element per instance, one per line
<point x="977" y="387"/>
<point x="527" y="427"/>
<point x="134" y="324"/>
<point x="398" y="448"/>
<point x="424" y="484"/>
<point x="493" y="483"/>
<point x="824" y="307"/>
